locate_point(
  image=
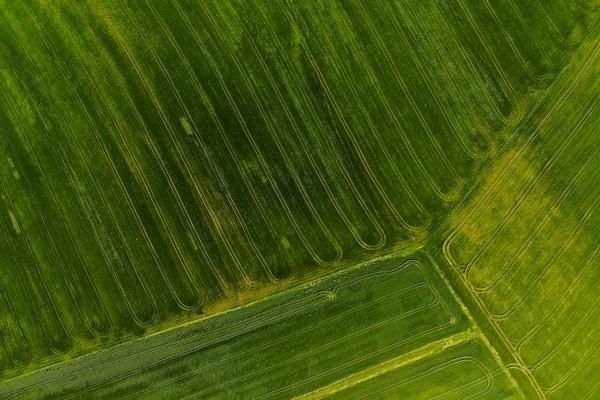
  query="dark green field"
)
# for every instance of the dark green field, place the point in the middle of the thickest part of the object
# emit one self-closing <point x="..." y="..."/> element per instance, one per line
<point x="222" y="170"/>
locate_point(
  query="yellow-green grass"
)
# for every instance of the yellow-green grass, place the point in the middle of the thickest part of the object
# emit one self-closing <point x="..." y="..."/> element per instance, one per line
<point x="160" y="157"/>
<point x="382" y="314"/>
<point x="467" y="370"/>
<point x="525" y="244"/>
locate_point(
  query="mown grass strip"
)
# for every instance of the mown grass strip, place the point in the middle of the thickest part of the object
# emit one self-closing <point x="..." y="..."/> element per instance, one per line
<point x="412" y="356"/>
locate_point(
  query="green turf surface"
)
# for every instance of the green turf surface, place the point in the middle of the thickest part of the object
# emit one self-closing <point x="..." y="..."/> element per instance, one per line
<point x="161" y="161"/>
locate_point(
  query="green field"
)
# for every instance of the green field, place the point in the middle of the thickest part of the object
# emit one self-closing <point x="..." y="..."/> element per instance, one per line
<point x="531" y="259"/>
<point x="299" y="198"/>
<point x="464" y="371"/>
<point x="394" y="314"/>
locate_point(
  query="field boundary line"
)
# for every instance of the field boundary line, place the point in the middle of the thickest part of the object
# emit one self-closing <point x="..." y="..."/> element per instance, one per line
<point x="425" y="351"/>
<point x="520" y="365"/>
<point x="442" y="273"/>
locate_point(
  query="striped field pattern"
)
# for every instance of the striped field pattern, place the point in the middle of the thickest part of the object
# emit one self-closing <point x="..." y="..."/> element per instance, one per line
<point x="162" y="161"/>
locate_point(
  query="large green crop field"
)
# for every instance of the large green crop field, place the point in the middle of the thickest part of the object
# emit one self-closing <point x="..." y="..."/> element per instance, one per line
<point x="275" y="199"/>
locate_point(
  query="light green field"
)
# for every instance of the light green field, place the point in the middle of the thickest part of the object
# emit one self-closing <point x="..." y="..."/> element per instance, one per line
<point x="464" y="371"/>
<point x="162" y="162"/>
<point x="527" y="242"/>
